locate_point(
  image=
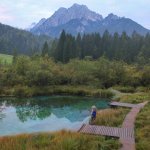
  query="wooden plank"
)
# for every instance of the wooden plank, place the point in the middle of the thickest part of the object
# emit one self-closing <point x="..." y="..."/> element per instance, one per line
<point x="123" y="104"/>
<point x="81" y="127"/>
<point x="107" y="131"/>
<point x="128" y="123"/>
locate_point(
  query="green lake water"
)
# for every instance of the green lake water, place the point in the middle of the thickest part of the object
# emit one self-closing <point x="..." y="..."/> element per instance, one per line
<point x="41" y="114"/>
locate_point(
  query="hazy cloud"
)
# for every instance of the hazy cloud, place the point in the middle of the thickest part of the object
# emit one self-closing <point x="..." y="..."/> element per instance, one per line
<point x="5" y="16"/>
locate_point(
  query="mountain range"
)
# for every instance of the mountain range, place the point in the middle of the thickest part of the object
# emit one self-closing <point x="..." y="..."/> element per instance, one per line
<point x="80" y="19"/>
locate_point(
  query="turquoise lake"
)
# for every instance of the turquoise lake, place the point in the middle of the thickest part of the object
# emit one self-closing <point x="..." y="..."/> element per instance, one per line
<point x="42" y="114"/>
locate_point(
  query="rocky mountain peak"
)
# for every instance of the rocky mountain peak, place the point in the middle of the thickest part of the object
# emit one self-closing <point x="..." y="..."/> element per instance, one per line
<point x="76" y="11"/>
<point x="60" y="10"/>
<point x="111" y="16"/>
<point x="78" y="6"/>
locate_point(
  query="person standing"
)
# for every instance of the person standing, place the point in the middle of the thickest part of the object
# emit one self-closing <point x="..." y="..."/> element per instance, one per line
<point x="93" y="113"/>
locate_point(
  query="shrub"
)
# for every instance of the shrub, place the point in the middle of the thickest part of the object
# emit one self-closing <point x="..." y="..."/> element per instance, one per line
<point x="22" y="91"/>
<point x="143" y="89"/>
<point x="125" y="89"/>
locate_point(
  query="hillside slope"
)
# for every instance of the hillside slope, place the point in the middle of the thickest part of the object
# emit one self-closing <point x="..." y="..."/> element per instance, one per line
<point x="22" y="41"/>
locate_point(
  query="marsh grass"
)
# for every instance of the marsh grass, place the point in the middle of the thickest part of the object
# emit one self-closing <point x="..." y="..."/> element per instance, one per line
<point x="25" y="91"/>
<point x="111" y="117"/>
<point x="136" y="97"/>
<point x="143" y="89"/>
<point x="143" y="129"/>
<point x="63" y="140"/>
<point x="125" y="89"/>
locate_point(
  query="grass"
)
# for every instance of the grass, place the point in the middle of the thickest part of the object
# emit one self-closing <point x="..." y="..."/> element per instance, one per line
<point x="125" y="89"/>
<point x="136" y="97"/>
<point x="6" y="59"/>
<point x="143" y="129"/>
<point x="111" y="117"/>
<point x="63" y="140"/>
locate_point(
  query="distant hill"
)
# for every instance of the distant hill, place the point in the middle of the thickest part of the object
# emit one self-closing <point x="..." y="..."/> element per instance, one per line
<point x="22" y="41"/>
<point x="79" y="18"/>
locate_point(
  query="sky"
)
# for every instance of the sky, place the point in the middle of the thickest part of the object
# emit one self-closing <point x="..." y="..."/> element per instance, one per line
<point x="22" y="13"/>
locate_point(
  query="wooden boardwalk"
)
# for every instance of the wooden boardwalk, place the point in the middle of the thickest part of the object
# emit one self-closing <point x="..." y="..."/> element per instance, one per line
<point x="125" y="133"/>
<point x="123" y="104"/>
<point x="129" y="121"/>
<point x="107" y="131"/>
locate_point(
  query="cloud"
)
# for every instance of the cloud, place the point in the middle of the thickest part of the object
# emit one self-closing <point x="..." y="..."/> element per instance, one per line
<point x="5" y="16"/>
<point x="28" y="11"/>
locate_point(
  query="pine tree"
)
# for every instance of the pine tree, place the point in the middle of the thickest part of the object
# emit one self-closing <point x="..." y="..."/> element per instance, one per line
<point x="45" y="49"/>
<point x="78" y="45"/>
<point x="115" y="46"/>
<point x="60" y="47"/>
<point x="119" y="47"/>
<point x="53" y="48"/>
<point x="106" y="39"/>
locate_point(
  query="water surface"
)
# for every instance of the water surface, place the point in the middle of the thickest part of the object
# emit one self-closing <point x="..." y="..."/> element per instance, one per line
<point x="45" y="113"/>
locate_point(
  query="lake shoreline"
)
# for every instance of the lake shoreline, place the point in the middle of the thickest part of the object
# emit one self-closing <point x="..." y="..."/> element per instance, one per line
<point x="25" y="92"/>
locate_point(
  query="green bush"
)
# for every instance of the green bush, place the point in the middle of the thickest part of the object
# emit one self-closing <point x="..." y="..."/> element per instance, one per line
<point x="102" y="73"/>
<point x="22" y="91"/>
<point x="125" y="89"/>
<point x="143" y="89"/>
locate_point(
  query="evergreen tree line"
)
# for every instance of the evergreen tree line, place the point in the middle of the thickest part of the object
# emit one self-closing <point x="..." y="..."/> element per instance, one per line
<point x="135" y="48"/>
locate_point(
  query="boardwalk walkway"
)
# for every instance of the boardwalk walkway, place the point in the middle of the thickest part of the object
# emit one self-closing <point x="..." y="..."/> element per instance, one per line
<point x="107" y="131"/>
<point x="123" y="104"/>
<point x="127" y="143"/>
<point x="125" y="133"/>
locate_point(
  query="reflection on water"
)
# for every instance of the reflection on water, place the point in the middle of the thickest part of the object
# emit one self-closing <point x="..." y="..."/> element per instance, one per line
<point x="45" y="113"/>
